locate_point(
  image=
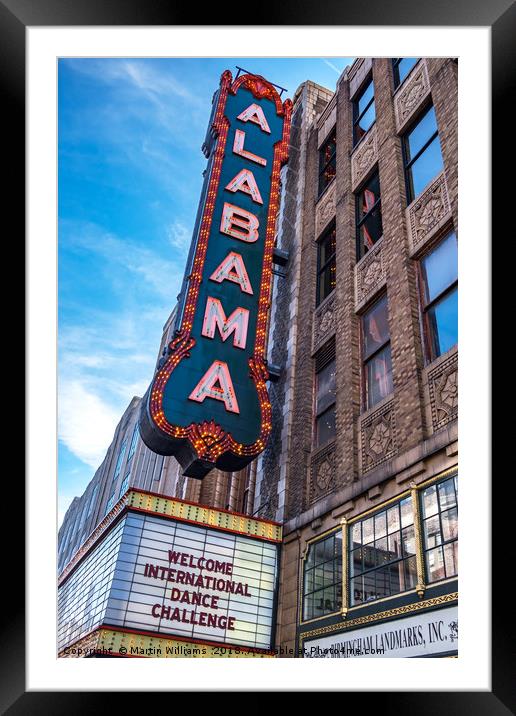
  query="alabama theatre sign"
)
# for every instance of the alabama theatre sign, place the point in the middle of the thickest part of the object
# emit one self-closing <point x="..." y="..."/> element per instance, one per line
<point x="208" y="402"/>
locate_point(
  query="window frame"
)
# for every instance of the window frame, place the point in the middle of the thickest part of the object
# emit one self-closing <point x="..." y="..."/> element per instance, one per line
<point x="371" y="514"/>
<point x="424" y="549"/>
<point x="356" y="116"/>
<point x="395" y="71"/>
<point x="366" y="361"/>
<point x="359" y="222"/>
<point x="331" y="406"/>
<point x="321" y="269"/>
<point x="332" y="533"/>
<point x="424" y="305"/>
<point x="408" y="163"/>
<point x="332" y="137"/>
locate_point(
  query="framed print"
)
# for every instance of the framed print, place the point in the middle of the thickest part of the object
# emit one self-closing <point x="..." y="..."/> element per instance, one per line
<point x="247" y="353"/>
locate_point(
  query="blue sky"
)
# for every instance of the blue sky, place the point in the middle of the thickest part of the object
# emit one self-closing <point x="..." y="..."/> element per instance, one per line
<point x="130" y="175"/>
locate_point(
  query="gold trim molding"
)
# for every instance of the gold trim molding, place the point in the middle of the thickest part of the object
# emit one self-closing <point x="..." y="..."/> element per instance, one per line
<point x="379" y="616"/>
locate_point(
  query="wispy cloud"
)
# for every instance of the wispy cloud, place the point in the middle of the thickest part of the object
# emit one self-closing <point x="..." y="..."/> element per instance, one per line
<point x="333" y="67"/>
<point x="179" y="236"/>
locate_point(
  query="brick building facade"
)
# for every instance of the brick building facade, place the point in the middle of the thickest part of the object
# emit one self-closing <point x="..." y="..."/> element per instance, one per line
<point x="361" y="467"/>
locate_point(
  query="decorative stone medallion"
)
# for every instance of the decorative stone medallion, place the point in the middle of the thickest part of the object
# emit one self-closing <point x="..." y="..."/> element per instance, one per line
<point x="378" y="433"/>
<point x="411" y="95"/>
<point x="370" y="275"/>
<point x="364" y="157"/>
<point x="322" y="473"/>
<point x="324" y="323"/>
<point x="428" y="213"/>
<point x="325" y="210"/>
<point x="443" y="384"/>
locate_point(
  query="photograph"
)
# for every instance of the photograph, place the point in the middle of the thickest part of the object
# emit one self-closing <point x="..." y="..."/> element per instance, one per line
<point x="258" y="357"/>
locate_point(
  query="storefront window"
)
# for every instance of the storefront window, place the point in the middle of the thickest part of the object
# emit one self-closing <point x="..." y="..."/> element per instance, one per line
<point x="322" y="579"/>
<point x="440" y="529"/>
<point x="382" y="554"/>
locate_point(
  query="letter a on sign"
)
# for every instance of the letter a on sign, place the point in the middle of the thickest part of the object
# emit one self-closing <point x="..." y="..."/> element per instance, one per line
<point x="254" y="113"/>
<point x="245" y="181"/>
<point x="233" y="269"/>
<point x="216" y="383"/>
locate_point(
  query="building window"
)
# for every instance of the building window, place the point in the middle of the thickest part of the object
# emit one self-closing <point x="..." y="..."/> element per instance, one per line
<point x="110" y="503"/>
<point x="325" y="395"/>
<point x="124" y="485"/>
<point x="423" y="158"/>
<point x="439" y="294"/>
<point x="369" y="216"/>
<point x="326" y="265"/>
<point x="363" y="112"/>
<point x="322" y="578"/>
<point x="401" y="66"/>
<point x="120" y="459"/>
<point x="440" y="529"/>
<point x="134" y="442"/>
<point x="327" y="162"/>
<point x="382" y="554"/>
<point x="376" y="354"/>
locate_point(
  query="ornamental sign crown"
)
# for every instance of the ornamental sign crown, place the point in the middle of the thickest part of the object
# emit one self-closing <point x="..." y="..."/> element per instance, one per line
<point x="208" y="403"/>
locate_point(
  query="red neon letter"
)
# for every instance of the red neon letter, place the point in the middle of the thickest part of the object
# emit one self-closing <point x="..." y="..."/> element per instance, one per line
<point x="235" y="216"/>
<point x="216" y="383"/>
<point x="233" y="269"/>
<point x="254" y="113"/>
<point x="215" y="317"/>
<point x="245" y="181"/>
<point x="238" y="148"/>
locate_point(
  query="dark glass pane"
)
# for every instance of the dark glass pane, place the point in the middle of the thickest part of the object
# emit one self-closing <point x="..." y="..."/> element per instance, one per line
<point x="380" y="525"/>
<point x="369" y="587"/>
<point x="367" y="530"/>
<point x="327" y="163"/>
<point x="309" y="581"/>
<point x="356" y="590"/>
<point x="451" y="559"/>
<point x="338" y="547"/>
<point x="326" y="388"/>
<point x="326" y="281"/>
<point x="404" y="67"/>
<point x="435" y="564"/>
<point x="376" y="327"/>
<point x="394" y="545"/>
<point x="426" y="167"/>
<point x="440" y="268"/>
<point x="371" y="230"/>
<point x="364" y="123"/>
<point x="379" y="378"/>
<point x="410" y="568"/>
<point x="369" y="554"/>
<point x="407" y="512"/>
<point x="356" y="535"/>
<point x="319" y="552"/>
<point x="430" y="506"/>
<point x="381" y="554"/>
<point x="409" y="541"/>
<point x="365" y="97"/>
<point x="369" y="196"/>
<point x="308" y="608"/>
<point x="393" y="519"/>
<point x="383" y="582"/>
<point x="325" y="427"/>
<point x="447" y="494"/>
<point x="443" y="319"/>
<point x="450" y="524"/>
<point x="432" y="531"/>
<point x="421" y="133"/>
<point x="326" y="247"/>
<point x="356" y="561"/>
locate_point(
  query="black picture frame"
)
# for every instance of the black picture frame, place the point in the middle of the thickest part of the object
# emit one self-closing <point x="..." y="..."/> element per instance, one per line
<point x="500" y="16"/>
